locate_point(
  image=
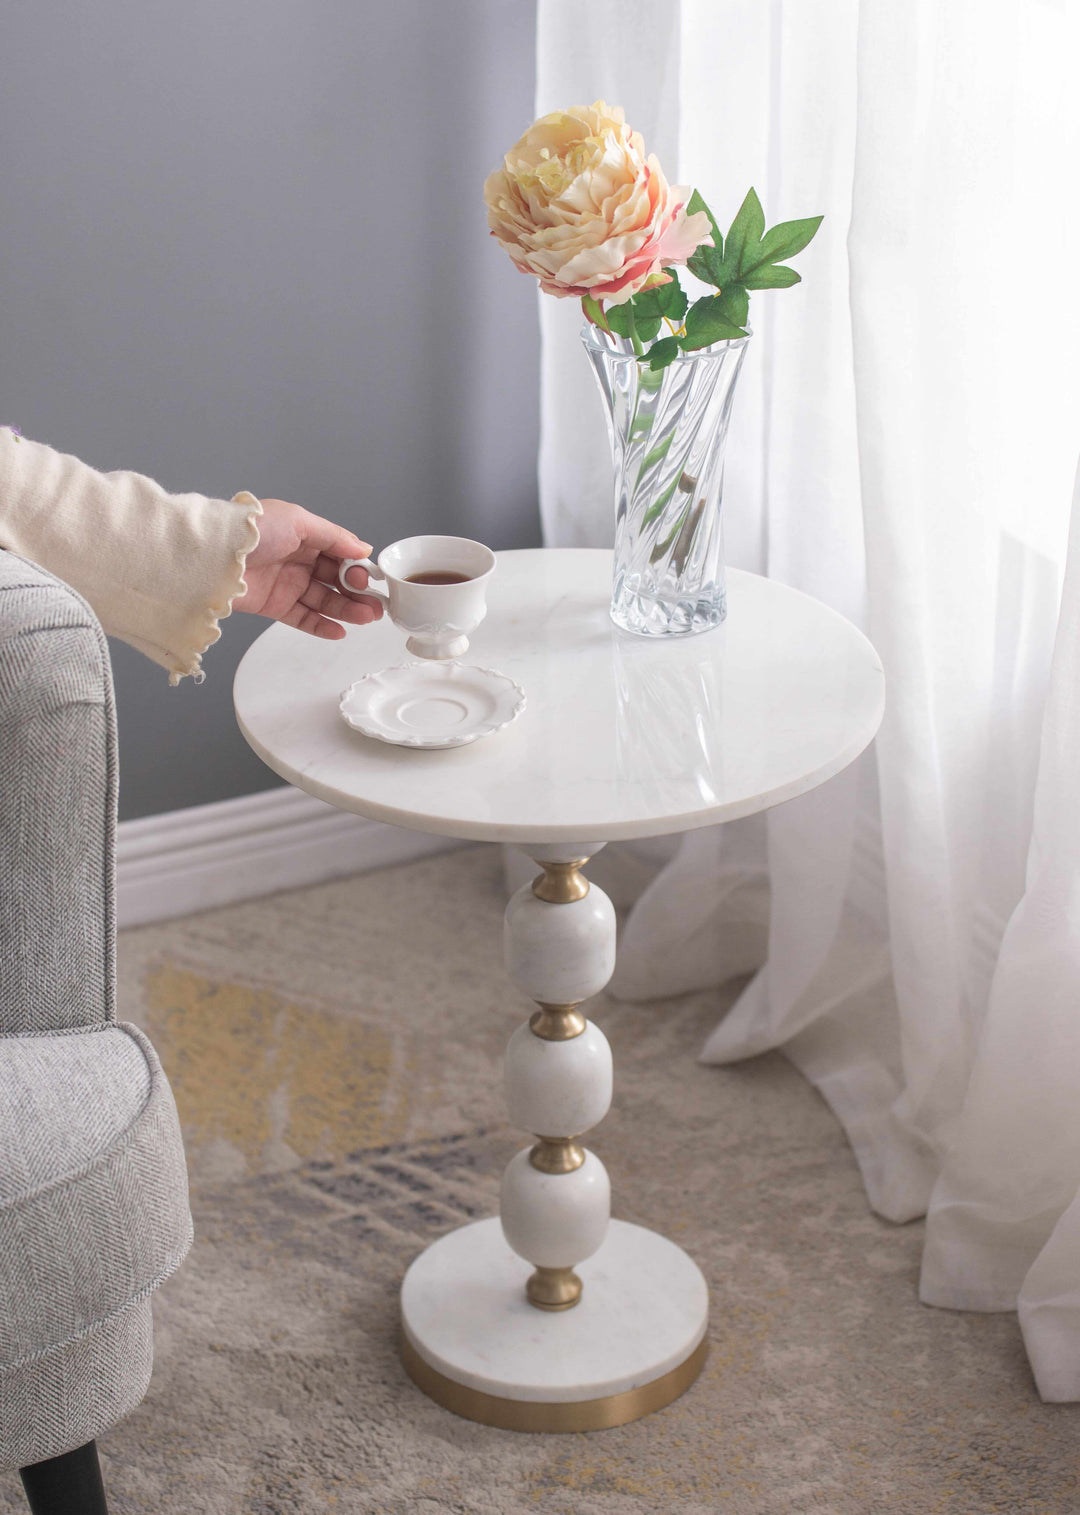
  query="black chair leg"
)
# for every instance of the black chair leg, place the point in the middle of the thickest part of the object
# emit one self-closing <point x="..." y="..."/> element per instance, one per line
<point x="67" y="1485"/>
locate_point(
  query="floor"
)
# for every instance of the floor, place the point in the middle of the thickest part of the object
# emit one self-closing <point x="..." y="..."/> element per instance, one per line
<point x="335" y="1054"/>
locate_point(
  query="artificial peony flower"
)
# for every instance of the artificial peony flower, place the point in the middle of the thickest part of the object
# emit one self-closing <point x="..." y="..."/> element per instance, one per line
<point x="578" y="204"/>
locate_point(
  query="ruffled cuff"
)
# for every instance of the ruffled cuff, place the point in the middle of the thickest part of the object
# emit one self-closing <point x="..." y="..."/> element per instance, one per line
<point x="187" y="662"/>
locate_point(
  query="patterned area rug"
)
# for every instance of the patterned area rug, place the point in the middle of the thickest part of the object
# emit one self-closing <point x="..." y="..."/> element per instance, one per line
<point x="336" y="1054"/>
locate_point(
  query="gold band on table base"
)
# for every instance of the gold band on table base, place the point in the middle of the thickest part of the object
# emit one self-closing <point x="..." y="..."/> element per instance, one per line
<point x="539" y="1415"/>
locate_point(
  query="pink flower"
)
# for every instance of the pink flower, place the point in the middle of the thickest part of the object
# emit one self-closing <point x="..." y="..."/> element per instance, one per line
<point x="578" y="204"/>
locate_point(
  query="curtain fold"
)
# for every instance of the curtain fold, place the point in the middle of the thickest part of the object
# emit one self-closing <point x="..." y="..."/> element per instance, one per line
<point x="1005" y="1214"/>
<point x="903" y="447"/>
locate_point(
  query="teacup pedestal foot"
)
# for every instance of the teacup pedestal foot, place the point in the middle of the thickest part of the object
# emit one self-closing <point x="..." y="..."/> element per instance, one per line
<point x="632" y="1344"/>
<point x="435" y="648"/>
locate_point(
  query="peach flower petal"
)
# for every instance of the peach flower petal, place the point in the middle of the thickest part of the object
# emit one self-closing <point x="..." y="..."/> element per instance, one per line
<point x="577" y="204"/>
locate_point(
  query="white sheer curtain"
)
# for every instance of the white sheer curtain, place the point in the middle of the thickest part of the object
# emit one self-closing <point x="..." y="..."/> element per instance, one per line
<point x="903" y="446"/>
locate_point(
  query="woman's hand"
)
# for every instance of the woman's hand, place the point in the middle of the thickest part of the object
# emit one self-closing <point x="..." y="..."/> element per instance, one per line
<point x="292" y="574"/>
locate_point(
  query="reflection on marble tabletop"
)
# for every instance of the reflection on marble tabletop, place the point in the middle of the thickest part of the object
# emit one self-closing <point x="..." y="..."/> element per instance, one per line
<point x="622" y="737"/>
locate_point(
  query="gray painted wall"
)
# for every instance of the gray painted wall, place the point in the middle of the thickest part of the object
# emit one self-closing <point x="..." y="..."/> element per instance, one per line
<point x="243" y="246"/>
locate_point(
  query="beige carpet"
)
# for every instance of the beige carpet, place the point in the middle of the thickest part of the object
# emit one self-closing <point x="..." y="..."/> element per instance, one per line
<point x="335" y="1054"/>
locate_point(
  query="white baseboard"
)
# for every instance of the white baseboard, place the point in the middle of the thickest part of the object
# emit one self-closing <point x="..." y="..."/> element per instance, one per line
<point x="209" y="855"/>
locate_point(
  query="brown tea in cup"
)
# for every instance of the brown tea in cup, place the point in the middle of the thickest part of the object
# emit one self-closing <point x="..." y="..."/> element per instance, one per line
<point x="434" y="588"/>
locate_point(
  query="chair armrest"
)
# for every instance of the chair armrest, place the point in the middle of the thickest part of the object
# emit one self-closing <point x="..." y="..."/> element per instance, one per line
<point x="57" y="806"/>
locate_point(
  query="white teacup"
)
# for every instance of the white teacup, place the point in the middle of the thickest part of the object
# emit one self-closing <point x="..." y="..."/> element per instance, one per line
<point x="439" y="616"/>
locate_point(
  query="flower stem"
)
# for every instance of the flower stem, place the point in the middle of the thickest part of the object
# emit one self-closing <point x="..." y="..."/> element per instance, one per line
<point x="638" y="349"/>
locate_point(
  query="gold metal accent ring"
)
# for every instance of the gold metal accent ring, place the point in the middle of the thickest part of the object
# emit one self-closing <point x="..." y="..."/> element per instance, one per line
<point x="539" y="1415"/>
<point x="553" y="1288"/>
<point x="557" y="1023"/>
<point x="556" y="1154"/>
<point x="561" y="883"/>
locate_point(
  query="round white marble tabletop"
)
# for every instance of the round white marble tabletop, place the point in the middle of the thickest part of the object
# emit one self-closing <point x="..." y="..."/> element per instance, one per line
<point x="622" y="736"/>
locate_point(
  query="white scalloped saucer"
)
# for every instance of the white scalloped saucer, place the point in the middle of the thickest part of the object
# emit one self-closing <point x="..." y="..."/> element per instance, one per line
<point x="431" y="704"/>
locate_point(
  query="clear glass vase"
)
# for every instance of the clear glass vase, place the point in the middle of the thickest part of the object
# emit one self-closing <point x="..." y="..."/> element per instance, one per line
<point x="668" y="432"/>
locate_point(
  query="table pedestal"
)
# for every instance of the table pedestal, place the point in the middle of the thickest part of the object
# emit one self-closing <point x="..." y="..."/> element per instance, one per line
<point x="554" y="1317"/>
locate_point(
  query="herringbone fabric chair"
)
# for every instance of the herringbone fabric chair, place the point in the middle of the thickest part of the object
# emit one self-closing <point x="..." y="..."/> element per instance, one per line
<point x="93" y="1189"/>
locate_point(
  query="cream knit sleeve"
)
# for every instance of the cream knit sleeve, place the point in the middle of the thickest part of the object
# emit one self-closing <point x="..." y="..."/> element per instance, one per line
<point x="160" y="570"/>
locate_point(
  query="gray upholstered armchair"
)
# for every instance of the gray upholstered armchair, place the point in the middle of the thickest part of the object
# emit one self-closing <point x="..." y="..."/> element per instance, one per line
<point x="93" y="1189"/>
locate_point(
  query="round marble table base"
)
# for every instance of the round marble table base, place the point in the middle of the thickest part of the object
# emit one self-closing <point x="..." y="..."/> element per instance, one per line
<point x="634" y="1343"/>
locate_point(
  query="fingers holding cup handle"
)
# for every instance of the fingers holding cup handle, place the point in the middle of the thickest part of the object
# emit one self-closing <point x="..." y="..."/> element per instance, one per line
<point x="376" y="578"/>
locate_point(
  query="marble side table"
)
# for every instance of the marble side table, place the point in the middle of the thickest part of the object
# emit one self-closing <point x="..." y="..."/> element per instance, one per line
<point x="553" y="1317"/>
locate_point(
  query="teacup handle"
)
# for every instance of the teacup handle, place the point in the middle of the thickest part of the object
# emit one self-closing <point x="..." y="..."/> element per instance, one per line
<point x="374" y="572"/>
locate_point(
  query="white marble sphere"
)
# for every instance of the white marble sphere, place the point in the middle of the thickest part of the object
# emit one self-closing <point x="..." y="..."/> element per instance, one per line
<point x="559" y="954"/>
<point x="558" y="1088"/>
<point x="555" y="1220"/>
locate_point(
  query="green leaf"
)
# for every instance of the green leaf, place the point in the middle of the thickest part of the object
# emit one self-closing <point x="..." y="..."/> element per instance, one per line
<point x="660" y="451"/>
<point x="642" y="314"/>
<point x="661" y="354"/>
<point x="784" y="241"/>
<point x="699" y="265"/>
<point x="695" y="204"/>
<point x="635" y="335"/>
<point x="733" y="303"/>
<point x="618" y="318"/>
<point x="672" y="298"/>
<point x="660" y="300"/>
<point x="594" y="312"/>
<point x="720" y="332"/>
<point x="706" y="323"/>
<point x="657" y="506"/>
<point x="772" y="276"/>
<point x="704" y="262"/>
<point x="645" y="304"/>
<point x="746" y="232"/>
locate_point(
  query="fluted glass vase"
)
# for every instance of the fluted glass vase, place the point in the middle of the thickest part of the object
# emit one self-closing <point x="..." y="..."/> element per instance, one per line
<point x="668" y="432"/>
